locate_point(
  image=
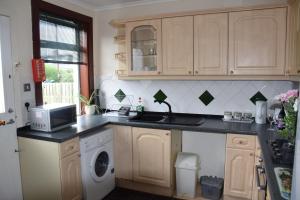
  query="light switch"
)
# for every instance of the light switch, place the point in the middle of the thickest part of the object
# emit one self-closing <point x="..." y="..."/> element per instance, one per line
<point x="27" y="87"/>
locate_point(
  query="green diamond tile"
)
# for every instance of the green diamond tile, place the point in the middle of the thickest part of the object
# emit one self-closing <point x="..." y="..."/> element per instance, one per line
<point x="206" y="98"/>
<point x="258" y="96"/>
<point x="120" y="95"/>
<point x="160" y="96"/>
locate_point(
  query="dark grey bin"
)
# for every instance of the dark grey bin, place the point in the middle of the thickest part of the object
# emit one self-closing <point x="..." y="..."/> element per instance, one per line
<point x="211" y="187"/>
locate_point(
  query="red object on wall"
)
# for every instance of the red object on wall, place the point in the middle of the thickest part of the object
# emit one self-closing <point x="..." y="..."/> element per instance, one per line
<point x="38" y="70"/>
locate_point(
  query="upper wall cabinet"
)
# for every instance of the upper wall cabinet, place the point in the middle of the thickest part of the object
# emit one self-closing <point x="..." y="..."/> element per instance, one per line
<point x="298" y="38"/>
<point x="293" y="60"/>
<point x="250" y="43"/>
<point x="178" y="45"/>
<point x="257" y="42"/>
<point x="143" y="40"/>
<point x="210" y="44"/>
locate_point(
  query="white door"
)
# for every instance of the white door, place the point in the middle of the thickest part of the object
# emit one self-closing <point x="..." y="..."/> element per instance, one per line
<point x="10" y="179"/>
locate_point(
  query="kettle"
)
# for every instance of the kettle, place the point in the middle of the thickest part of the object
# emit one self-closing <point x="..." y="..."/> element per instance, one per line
<point x="261" y="112"/>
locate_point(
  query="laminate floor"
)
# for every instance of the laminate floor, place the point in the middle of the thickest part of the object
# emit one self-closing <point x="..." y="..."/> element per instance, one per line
<point x="124" y="194"/>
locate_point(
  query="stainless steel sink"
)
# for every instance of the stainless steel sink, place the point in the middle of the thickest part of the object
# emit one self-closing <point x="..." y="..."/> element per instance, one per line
<point x="185" y="120"/>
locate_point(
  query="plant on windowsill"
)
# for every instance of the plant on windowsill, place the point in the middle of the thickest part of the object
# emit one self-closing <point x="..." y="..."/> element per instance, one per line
<point x="289" y="101"/>
<point x="89" y="106"/>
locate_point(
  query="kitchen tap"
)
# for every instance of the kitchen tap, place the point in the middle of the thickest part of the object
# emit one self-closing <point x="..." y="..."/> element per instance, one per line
<point x="169" y="106"/>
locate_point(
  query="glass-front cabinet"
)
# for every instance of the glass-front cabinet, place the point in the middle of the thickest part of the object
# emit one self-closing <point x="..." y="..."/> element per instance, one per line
<point x="143" y="40"/>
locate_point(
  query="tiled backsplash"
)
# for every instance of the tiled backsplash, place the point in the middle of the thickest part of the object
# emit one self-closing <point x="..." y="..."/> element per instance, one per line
<point x="191" y="96"/>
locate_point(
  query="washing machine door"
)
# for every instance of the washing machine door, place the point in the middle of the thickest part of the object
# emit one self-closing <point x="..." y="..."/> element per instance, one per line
<point x="100" y="164"/>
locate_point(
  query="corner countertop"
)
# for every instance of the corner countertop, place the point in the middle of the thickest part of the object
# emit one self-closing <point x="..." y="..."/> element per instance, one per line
<point x="212" y="124"/>
<point x="86" y="124"/>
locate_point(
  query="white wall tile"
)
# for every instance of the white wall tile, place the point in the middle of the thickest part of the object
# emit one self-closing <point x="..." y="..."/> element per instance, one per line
<point x="184" y="95"/>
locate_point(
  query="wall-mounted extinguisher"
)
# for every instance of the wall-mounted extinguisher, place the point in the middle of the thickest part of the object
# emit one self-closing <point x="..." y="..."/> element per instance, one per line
<point x="38" y="70"/>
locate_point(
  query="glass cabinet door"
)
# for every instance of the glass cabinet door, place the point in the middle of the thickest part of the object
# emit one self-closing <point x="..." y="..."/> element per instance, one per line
<point x="144" y="45"/>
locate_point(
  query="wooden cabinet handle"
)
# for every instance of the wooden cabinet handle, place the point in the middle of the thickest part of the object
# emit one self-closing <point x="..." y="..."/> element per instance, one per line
<point x="158" y="72"/>
<point x="71" y="148"/>
<point x="231" y="72"/>
<point x="167" y="134"/>
<point x="196" y="72"/>
<point x="79" y="155"/>
<point x="298" y="71"/>
<point x="241" y="142"/>
<point x="190" y="72"/>
<point x="251" y="154"/>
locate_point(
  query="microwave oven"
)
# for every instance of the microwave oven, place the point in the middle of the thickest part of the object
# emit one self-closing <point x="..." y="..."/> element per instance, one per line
<point x="52" y="117"/>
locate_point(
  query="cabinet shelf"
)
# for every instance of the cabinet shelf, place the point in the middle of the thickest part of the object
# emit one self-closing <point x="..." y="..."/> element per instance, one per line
<point x="143" y="41"/>
<point x="149" y="55"/>
<point x="119" y="38"/>
<point x="120" y="56"/>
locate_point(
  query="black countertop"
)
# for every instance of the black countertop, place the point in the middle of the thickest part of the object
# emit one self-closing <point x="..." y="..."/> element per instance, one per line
<point x="212" y="124"/>
<point x="91" y="123"/>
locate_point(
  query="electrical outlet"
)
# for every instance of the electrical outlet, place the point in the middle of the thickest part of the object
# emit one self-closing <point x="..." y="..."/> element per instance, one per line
<point x="27" y="87"/>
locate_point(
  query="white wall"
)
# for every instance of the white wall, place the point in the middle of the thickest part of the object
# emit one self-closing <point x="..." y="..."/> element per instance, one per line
<point x="296" y="168"/>
<point x="184" y="95"/>
<point x="21" y="38"/>
<point x="19" y="12"/>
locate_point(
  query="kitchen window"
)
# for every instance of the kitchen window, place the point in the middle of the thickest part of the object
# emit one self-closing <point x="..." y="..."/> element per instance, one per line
<point x="63" y="39"/>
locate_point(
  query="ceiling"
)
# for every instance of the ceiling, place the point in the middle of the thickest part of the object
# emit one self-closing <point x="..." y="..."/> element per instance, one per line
<point x="112" y="4"/>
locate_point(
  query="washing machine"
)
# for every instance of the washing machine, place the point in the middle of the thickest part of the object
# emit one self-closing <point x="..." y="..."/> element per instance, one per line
<point x="97" y="164"/>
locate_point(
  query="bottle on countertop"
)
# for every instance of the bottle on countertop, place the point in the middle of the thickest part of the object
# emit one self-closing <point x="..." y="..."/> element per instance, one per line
<point x="280" y="120"/>
<point x="140" y="106"/>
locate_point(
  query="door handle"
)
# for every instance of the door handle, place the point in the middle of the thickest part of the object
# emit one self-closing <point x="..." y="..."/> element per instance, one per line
<point x="11" y="121"/>
<point x="260" y="170"/>
<point x="3" y="122"/>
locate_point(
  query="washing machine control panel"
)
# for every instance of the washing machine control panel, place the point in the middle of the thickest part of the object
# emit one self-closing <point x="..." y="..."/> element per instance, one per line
<point x="98" y="139"/>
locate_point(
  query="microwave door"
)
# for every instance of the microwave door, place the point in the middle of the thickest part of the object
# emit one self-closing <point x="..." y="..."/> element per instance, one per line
<point x="62" y="118"/>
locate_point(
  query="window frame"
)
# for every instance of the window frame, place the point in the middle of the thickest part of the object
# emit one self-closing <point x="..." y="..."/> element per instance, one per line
<point x="85" y="70"/>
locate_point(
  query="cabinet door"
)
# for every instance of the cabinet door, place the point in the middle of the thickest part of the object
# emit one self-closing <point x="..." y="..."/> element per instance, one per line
<point x="297" y="54"/>
<point x="143" y="40"/>
<point x="258" y="194"/>
<point x="151" y="156"/>
<point x="71" y="177"/>
<point x="123" y="152"/>
<point x="239" y="173"/>
<point x="178" y="46"/>
<point x="257" y="42"/>
<point x="210" y="44"/>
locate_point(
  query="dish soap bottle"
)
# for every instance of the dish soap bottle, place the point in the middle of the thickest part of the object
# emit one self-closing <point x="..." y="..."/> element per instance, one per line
<point x="140" y="106"/>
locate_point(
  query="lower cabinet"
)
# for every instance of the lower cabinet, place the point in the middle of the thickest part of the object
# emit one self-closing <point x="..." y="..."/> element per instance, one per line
<point x="50" y="170"/>
<point x="152" y="156"/>
<point x="145" y="158"/>
<point x="268" y="196"/>
<point x="71" y="177"/>
<point x="239" y="173"/>
<point x="123" y="152"/>
<point x="242" y="154"/>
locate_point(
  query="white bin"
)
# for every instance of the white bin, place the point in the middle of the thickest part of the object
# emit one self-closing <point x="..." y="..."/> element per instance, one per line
<point x="187" y="165"/>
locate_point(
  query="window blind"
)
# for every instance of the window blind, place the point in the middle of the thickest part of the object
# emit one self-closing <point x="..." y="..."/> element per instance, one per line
<point x="61" y="40"/>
